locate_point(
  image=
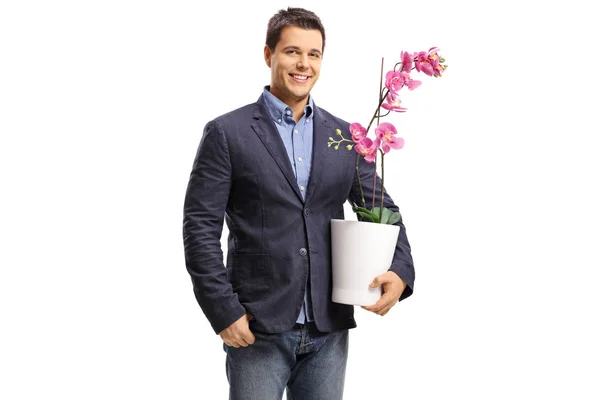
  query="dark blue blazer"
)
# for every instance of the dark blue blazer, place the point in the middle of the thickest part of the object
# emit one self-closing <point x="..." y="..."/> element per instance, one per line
<point x="277" y="240"/>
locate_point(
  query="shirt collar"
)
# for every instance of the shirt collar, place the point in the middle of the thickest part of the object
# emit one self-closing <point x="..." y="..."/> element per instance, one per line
<point x="278" y="109"/>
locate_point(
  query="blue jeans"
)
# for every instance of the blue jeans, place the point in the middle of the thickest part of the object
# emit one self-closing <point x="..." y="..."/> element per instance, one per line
<point x="311" y="364"/>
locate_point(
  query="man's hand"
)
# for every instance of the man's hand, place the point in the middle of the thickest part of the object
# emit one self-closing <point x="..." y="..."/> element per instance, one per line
<point x="239" y="333"/>
<point x="393" y="286"/>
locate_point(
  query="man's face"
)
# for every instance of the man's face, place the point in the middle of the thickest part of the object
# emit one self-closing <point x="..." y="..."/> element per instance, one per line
<point x="295" y="63"/>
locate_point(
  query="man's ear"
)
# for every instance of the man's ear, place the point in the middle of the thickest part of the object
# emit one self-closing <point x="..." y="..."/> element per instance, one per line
<point x="268" y="56"/>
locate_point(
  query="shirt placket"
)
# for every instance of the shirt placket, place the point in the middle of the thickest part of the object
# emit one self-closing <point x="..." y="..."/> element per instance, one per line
<point x="300" y="170"/>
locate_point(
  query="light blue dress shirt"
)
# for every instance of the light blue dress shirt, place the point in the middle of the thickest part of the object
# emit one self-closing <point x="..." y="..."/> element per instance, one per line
<point x="298" y="141"/>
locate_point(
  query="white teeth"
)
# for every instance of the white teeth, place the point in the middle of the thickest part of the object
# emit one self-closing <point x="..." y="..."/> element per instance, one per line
<point x="300" y="77"/>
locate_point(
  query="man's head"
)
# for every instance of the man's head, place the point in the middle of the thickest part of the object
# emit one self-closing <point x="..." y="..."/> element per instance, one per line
<point x="292" y="17"/>
<point x="293" y="51"/>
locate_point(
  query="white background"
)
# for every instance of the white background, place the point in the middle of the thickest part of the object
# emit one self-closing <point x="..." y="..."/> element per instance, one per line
<point x="102" y="106"/>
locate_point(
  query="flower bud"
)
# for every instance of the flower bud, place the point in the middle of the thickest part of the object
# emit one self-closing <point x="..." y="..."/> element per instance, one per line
<point x="349" y="147"/>
<point x="338" y="132"/>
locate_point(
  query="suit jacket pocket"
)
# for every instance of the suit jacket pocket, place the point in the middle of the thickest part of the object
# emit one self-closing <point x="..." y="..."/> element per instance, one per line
<point x="249" y="275"/>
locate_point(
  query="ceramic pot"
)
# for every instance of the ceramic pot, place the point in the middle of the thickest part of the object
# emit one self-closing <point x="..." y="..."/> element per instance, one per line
<point x="360" y="251"/>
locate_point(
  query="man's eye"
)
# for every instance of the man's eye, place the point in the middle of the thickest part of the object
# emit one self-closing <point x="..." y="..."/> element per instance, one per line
<point x="292" y="51"/>
<point x="316" y="55"/>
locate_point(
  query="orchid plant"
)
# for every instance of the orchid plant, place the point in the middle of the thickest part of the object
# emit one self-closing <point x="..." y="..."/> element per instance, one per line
<point x="386" y="139"/>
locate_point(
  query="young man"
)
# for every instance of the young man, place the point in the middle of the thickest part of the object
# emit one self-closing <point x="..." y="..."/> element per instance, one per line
<point x="266" y="168"/>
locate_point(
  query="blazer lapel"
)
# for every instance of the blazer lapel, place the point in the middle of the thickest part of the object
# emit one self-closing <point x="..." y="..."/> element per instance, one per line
<point x="322" y="132"/>
<point x="266" y="130"/>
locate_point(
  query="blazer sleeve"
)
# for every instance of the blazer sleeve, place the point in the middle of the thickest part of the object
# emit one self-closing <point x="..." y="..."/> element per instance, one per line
<point x="402" y="263"/>
<point x="204" y="210"/>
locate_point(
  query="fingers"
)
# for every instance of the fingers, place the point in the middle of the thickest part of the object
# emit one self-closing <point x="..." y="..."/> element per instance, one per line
<point x="380" y="309"/>
<point x="393" y="286"/>
<point x="386" y="309"/>
<point x="382" y="305"/>
<point x="378" y="281"/>
<point x="381" y="279"/>
<point x="243" y="341"/>
<point x="240" y="342"/>
<point x="249" y="338"/>
<point x="238" y="334"/>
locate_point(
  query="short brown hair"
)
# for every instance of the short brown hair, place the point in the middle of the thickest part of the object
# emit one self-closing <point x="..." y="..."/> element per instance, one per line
<point x="292" y="16"/>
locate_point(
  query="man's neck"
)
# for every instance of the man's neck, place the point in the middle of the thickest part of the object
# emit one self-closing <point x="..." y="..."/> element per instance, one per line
<point x="298" y="109"/>
<point x="297" y="105"/>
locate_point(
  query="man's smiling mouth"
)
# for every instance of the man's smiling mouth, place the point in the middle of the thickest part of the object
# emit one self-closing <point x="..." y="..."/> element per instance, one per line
<point x="300" y="77"/>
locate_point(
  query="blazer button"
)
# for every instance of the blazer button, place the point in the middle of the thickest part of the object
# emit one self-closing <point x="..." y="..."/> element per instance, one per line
<point x="302" y="252"/>
<point x="306" y="212"/>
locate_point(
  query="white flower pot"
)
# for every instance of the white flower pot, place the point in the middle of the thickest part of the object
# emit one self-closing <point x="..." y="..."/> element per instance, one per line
<point x="360" y="251"/>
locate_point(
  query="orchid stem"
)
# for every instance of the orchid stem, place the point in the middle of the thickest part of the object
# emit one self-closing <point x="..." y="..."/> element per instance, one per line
<point x="377" y="113"/>
<point x="362" y="195"/>
<point x="380" y="92"/>
<point x="374" y="181"/>
<point x="378" y="106"/>
<point x="382" y="194"/>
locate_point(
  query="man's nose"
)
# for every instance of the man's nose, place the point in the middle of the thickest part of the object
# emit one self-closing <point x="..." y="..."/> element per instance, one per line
<point x="303" y="62"/>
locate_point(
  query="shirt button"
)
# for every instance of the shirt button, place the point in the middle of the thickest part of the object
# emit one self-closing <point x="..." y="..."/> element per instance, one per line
<point x="288" y="112"/>
<point x="299" y="158"/>
<point x="302" y="188"/>
<point x="296" y="131"/>
<point x="279" y="120"/>
<point x="303" y="252"/>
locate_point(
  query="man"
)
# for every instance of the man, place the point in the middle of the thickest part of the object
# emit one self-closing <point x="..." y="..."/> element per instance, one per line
<point x="266" y="168"/>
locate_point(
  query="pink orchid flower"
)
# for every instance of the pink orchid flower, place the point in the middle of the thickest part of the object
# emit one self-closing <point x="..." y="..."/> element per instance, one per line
<point x="367" y="148"/>
<point x="422" y="63"/>
<point x="439" y="68"/>
<point x="358" y="132"/>
<point x="435" y="61"/>
<point x="407" y="61"/>
<point x="386" y="134"/>
<point x="394" y="81"/>
<point x="409" y="82"/>
<point x="393" y="103"/>
<point x="429" y="62"/>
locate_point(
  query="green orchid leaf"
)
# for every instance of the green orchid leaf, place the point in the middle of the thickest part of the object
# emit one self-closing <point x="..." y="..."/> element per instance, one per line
<point x="395" y="217"/>
<point x="365" y="216"/>
<point x="385" y="216"/>
<point x="376" y="212"/>
<point x="372" y="217"/>
<point x="388" y="217"/>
